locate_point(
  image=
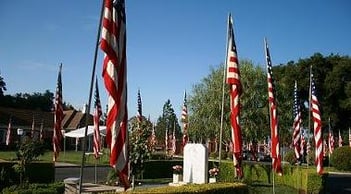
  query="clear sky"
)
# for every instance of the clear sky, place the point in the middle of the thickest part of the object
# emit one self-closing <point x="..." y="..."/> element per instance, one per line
<point x="171" y="44"/>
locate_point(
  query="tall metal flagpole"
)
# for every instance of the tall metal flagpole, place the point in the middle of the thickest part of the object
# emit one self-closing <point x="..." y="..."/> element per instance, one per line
<point x="222" y="108"/>
<point x="87" y="112"/>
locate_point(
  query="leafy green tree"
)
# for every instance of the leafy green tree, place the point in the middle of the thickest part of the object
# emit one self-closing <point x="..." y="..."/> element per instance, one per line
<point x="167" y="122"/>
<point x="206" y="101"/>
<point x="2" y="86"/>
<point x="28" y="150"/>
<point x="140" y="150"/>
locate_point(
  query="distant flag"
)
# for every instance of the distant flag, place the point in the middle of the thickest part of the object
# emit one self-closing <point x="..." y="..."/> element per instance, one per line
<point x="97" y="115"/>
<point x="174" y="142"/>
<point x="58" y="117"/>
<point x="153" y="136"/>
<point x="8" y="134"/>
<point x="166" y="140"/>
<point x="340" y="140"/>
<point x="276" y="159"/>
<point x="317" y="126"/>
<point x="41" y="135"/>
<point x="349" y="137"/>
<point x="325" y="147"/>
<point x="302" y="143"/>
<point x="113" y="44"/>
<point x="296" y="124"/>
<point x="233" y="80"/>
<point x="330" y="139"/>
<point x="185" y="121"/>
<point x="33" y="128"/>
<point x="140" y="112"/>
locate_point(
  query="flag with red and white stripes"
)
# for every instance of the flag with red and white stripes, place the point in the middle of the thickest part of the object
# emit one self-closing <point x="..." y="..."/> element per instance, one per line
<point x="330" y="139"/>
<point x="58" y="117"/>
<point x="113" y="44"/>
<point x="349" y="137"/>
<point x="276" y="159"/>
<point x="340" y="140"/>
<point x="33" y="128"/>
<point x="41" y="135"/>
<point x="302" y="143"/>
<point x="185" y="120"/>
<point x="233" y="80"/>
<point x="174" y="143"/>
<point x="296" y="124"/>
<point x="8" y="134"/>
<point x="317" y="127"/>
<point x="97" y="115"/>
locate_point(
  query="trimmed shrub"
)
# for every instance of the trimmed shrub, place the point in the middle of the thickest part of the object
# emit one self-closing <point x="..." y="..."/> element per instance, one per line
<point x="213" y="188"/>
<point x="54" y="188"/>
<point x="159" y="168"/>
<point x="290" y="157"/>
<point x="341" y="158"/>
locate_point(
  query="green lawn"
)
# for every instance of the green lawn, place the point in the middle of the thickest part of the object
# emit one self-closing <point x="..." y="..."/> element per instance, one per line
<point x="67" y="156"/>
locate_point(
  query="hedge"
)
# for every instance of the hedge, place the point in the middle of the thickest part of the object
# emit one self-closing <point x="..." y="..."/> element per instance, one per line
<point x="301" y="178"/>
<point x="213" y="188"/>
<point x="37" y="172"/>
<point x="53" y="188"/>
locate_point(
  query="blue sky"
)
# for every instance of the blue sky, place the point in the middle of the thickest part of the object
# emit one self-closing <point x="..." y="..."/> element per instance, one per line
<point x="171" y="44"/>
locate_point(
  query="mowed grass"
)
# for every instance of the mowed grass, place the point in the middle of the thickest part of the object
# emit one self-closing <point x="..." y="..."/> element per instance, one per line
<point x="67" y="156"/>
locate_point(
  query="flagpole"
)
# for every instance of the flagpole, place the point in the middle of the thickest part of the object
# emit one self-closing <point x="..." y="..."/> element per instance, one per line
<point x="222" y="107"/>
<point x="87" y="111"/>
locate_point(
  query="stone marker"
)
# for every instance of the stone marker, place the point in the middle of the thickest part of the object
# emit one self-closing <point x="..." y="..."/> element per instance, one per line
<point x="195" y="165"/>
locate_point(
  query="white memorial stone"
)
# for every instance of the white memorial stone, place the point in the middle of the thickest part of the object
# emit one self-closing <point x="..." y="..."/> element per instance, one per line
<point x="195" y="166"/>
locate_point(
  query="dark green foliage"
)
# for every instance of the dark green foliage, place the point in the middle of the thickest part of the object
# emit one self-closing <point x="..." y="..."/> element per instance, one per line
<point x="341" y="158"/>
<point x="160" y="168"/>
<point x="54" y="188"/>
<point x="37" y="172"/>
<point x="111" y="178"/>
<point x="290" y="157"/>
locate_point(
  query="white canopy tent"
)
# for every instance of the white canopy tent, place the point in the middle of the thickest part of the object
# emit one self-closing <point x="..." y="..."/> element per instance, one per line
<point x="80" y="132"/>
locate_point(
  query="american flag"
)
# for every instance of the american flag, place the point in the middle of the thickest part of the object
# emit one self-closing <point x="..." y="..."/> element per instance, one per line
<point x="340" y="140"/>
<point x="349" y="137"/>
<point x="113" y="44"/>
<point x="41" y="135"/>
<point x="233" y="80"/>
<point x="97" y="115"/>
<point x="166" y="140"/>
<point x="58" y="117"/>
<point x="296" y="124"/>
<point x="174" y="142"/>
<point x="276" y="160"/>
<point x="302" y="143"/>
<point x="140" y="110"/>
<point x="330" y="139"/>
<point x="33" y="128"/>
<point x="8" y="134"/>
<point x="317" y="126"/>
<point x="185" y="121"/>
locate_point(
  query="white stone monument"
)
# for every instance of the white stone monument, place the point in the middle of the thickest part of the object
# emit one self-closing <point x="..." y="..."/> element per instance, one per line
<point x="195" y="166"/>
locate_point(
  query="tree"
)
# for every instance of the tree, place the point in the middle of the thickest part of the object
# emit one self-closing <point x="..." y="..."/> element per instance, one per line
<point x="167" y="122"/>
<point x="140" y="150"/>
<point x="206" y="101"/>
<point x="2" y="86"/>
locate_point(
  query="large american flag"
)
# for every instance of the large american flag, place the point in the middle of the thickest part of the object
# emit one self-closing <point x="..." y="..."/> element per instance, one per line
<point x="233" y="80"/>
<point x="317" y="127"/>
<point x="8" y="134"/>
<point x="185" y="121"/>
<point x="113" y="44"/>
<point x="97" y="115"/>
<point x="58" y="117"/>
<point x="296" y="124"/>
<point x="276" y="160"/>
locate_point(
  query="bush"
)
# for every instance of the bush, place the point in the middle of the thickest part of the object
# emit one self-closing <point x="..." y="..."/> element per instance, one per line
<point x="341" y="158"/>
<point x="220" y="188"/>
<point x="290" y="157"/>
<point x="54" y="188"/>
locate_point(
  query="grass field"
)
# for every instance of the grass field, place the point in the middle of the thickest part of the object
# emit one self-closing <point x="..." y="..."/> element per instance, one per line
<point x="67" y="156"/>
